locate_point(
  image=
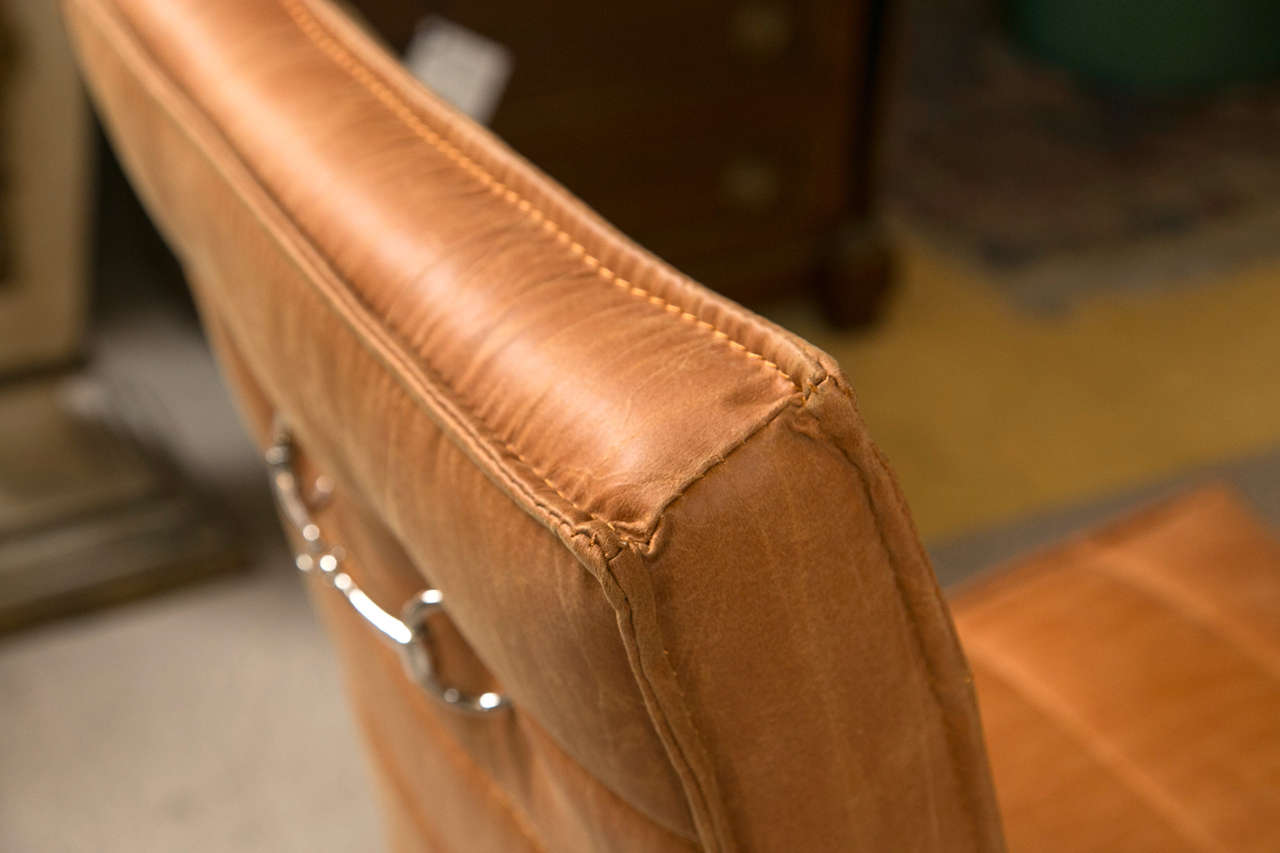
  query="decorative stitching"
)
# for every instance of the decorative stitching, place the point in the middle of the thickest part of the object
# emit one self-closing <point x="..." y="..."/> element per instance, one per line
<point x="471" y="428"/>
<point x="895" y="572"/>
<point x="798" y="402"/>
<point x="397" y="106"/>
<point x="296" y="252"/>
<point x="714" y="819"/>
<point x="401" y="110"/>
<point x="895" y="569"/>
<point x="474" y="427"/>
<point x="315" y="32"/>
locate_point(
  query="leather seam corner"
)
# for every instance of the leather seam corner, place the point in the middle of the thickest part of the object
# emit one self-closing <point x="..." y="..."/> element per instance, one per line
<point x="796" y="401"/>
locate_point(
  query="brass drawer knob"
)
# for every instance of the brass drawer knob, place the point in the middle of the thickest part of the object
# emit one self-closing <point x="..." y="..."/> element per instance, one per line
<point x="761" y="30"/>
<point x="750" y="184"/>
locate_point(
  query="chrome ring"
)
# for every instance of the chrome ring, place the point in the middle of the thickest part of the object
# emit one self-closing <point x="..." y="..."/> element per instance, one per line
<point x="417" y="660"/>
<point x="409" y="635"/>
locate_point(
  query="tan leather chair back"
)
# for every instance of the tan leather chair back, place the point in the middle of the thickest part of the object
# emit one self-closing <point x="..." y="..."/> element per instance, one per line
<point x="655" y="520"/>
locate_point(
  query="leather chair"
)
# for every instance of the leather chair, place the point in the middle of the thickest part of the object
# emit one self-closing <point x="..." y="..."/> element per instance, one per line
<point x="611" y="562"/>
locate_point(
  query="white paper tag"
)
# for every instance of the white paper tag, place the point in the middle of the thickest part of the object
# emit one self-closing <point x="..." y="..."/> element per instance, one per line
<point x="461" y="66"/>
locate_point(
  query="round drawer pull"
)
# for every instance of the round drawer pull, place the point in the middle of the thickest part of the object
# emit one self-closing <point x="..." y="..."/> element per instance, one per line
<point x="750" y="184"/>
<point x="760" y="30"/>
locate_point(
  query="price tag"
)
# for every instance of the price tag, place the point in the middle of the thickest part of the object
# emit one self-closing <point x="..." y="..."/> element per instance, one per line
<point x="461" y="66"/>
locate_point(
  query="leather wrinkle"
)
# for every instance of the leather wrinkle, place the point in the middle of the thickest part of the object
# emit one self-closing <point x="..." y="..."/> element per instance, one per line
<point x="456" y="754"/>
<point x="475" y="432"/>
<point x="479" y="435"/>
<point x="315" y="31"/>
<point x="460" y="756"/>
<point x="472" y="424"/>
<point x="796" y="401"/>
<point x="307" y="267"/>
<point x="362" y="74"/>
<point x="608" y="567"/>
<point x="895" y="568"/>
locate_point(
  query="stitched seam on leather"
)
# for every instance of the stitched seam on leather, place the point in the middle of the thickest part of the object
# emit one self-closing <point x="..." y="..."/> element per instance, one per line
<point x="647" y="551"/>
<point x="396" y="105"/>
<point x="361" y="73"/>
<point x="521" y="720"/>
<point x="462" y="759"/>
<point x="525" y="721"/>
<point x="481" y="436"/>
<point x="311" y="266"/>
<point x="931" y="675"/>
<point x="675" y="742"/>
<point x="476" y="434"/>
<point x="295" y="247"/>
<point x="468" y="428"/>
<point x="793" y="402"/>
<point x="894" y="567"/>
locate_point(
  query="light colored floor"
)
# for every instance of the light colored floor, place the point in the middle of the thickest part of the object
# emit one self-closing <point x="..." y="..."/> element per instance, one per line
<point x="209" y="719"/>
<point x="205" y="720"/>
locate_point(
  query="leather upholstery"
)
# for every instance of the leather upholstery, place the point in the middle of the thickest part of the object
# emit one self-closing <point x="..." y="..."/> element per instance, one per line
<point x="1130" y="683"/>
<point x="657" y="519"/>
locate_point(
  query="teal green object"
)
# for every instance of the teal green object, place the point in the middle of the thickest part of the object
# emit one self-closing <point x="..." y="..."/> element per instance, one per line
<point x="1153" y="46"/>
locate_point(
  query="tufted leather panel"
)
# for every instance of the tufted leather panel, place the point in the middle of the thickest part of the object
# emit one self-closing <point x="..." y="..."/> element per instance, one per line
<point x="656" y="518"/>
<point x="1130" y="682"/>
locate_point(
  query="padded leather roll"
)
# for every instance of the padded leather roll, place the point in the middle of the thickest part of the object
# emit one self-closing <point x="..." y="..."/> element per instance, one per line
<point x="656" y="519"/>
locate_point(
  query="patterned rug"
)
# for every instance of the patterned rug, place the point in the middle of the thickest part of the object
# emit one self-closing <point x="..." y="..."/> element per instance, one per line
<point x="1051" y="190"/>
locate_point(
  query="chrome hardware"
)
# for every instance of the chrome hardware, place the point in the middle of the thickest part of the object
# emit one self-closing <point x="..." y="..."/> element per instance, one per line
<point x="409" y="635"/>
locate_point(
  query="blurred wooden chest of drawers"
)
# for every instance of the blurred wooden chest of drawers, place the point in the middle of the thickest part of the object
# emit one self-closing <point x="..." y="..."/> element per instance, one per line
<point x="734" y="138"/>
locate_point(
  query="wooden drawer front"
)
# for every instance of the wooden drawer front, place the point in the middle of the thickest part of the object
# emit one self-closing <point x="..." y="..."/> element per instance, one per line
<point x="570" y="46"/>
<point x="695" y="173"/>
